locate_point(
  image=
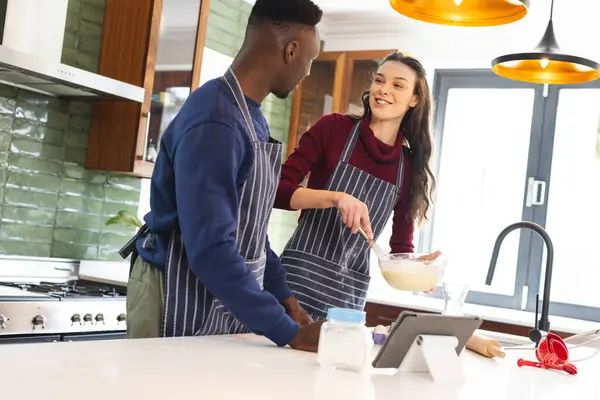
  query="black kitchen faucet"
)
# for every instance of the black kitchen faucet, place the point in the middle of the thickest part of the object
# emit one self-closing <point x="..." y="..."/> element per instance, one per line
<point x="541" y="327"/>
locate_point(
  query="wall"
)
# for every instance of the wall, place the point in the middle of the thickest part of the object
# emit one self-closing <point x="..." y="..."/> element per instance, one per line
<point x="50" y="204"/>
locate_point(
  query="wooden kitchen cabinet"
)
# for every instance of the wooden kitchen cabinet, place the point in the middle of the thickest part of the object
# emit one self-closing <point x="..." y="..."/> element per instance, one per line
<point x="155" y="44"/>
<point x="335" y="83"/>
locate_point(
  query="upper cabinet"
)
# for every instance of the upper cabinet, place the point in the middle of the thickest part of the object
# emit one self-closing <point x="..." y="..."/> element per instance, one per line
<point x="155" y="44"/>
<point x="335" y="84"/>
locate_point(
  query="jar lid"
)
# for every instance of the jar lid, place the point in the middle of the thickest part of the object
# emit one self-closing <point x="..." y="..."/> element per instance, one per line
<point x="346" y="315"/>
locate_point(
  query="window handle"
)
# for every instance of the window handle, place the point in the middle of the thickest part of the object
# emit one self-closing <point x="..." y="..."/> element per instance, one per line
<point x="536" y="192"/>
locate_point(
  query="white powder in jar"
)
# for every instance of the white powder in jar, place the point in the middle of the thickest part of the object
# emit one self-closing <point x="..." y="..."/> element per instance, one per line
<point x="344" y="341"/>
<point x="344" y="349"/>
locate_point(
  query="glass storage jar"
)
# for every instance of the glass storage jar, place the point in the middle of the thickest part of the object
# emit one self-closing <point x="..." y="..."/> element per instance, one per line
<point x="344" y="341"/>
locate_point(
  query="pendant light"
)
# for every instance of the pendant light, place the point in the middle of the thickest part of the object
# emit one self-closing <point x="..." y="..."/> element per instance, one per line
<point x="546" y="64"/>
<point x="462" y="12"/>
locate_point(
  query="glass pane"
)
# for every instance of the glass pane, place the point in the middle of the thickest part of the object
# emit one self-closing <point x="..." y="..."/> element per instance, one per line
<point x="481" y="179"/>
<point x="573" y="197"/>
<point x="317" y="95"/>
<point x="173" y="75"/>
<point x="361" y="78"/>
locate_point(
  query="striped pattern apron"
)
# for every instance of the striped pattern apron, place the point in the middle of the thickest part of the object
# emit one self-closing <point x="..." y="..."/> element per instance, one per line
<point x="190" y="309"/>
<point x="327" y="266"/>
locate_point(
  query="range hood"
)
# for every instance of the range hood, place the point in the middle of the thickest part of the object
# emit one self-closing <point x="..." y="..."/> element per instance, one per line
<point x="32" y="33"/>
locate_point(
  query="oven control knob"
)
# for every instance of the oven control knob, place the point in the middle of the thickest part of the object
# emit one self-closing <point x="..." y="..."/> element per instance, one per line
<point x="3" y="321"/>
<point x="76" y="319"/>
<point x="39" y="320"/>
<point x="87" y="318"/>
<point x="121" y="318"/>
<point x="99" y="318"/>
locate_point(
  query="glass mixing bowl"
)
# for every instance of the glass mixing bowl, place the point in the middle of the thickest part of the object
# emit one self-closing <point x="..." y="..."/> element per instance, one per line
<point x="583" y="346"/>
<point x="410" y="272"/>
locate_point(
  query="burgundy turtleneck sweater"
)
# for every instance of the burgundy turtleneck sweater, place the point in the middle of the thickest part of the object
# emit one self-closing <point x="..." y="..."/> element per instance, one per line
<point x="318" y="153"/>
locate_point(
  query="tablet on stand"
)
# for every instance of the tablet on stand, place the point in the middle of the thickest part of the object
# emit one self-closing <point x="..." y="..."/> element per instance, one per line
<point x="430" y="343"/>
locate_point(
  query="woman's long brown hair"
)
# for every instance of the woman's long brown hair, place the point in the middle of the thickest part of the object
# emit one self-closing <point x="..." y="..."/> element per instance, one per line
<point x="416" y="126"/>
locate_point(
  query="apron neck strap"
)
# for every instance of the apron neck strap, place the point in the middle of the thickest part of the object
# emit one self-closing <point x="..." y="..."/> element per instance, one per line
<point x="349" y="146"/>
<point x="234" y="85"/>
<point x="351" y="142"/>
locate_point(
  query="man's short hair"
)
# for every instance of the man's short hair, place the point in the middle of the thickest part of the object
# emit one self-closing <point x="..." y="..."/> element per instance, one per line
<point x="303" y="13"/>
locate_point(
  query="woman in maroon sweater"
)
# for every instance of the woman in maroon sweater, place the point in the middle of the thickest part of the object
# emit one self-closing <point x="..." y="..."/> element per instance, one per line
<point x="361" y="170"/>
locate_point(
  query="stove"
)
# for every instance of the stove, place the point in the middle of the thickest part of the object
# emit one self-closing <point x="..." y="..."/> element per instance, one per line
<point x="48" y="301"/>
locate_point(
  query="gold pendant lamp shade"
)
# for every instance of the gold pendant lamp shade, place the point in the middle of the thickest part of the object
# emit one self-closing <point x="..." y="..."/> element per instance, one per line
<point x="546" y="64"/>
<point x="462" y="12"/>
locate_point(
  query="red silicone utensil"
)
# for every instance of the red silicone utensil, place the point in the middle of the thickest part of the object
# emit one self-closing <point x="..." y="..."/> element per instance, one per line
<point x="552" y="353"/>
<point x="552" y="350"/>
<point x="568" y="368"/>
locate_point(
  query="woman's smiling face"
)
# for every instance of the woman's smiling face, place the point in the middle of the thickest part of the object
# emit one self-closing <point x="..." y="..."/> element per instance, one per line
<point x="392" y="91"/>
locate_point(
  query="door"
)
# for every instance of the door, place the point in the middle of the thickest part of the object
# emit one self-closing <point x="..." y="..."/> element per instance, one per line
<point x="487" y="139"/>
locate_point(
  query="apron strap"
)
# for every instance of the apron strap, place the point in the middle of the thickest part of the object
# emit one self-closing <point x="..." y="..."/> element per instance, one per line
<point x="351" y="142"/>
<point x="400" y="174"/>
<point x="349" y="146"/>
<point x="130" y="250"/>
<point x="234" y="85"/>
<point x="129" y="247"/>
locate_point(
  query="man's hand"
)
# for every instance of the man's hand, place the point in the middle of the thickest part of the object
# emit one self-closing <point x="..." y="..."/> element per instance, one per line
<point x="307" y="338"/>
<point x="296" y="312"/>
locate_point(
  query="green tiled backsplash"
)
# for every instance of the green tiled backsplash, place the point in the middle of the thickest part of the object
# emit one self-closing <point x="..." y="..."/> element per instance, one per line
<point x="83" y="34"/>
<point x="50" y="205"/>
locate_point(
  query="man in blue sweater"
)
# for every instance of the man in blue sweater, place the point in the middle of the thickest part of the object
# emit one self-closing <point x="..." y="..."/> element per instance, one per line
<point x="202" y="264"/>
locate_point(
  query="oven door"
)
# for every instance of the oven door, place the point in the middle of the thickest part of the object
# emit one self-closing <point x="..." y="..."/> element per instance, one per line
<point x="29" y="339"/>
<point x="94" y="336"/>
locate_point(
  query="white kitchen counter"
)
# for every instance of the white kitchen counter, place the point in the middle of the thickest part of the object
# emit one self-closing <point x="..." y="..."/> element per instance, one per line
<point x="249" y="367"/>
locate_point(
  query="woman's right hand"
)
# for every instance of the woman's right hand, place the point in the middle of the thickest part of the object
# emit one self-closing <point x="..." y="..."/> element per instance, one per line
<point x="355" y="213"/>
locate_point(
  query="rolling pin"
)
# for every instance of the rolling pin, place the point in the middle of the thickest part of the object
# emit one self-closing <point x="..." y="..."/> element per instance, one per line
<point x="485" y="346"/>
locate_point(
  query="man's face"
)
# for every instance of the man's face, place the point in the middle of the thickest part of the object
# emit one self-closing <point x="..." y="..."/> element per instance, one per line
<point x="299" y="55"/>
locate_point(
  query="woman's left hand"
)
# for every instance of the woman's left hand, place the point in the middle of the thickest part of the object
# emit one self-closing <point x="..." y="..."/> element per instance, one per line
<point x="430" y="257"/>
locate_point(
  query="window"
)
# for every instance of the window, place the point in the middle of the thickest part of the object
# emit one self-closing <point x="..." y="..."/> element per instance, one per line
<point x="508" y="151"/>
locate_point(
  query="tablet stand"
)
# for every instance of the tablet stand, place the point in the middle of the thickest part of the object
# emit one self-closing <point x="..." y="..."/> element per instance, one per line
<point x="437" y="356"/>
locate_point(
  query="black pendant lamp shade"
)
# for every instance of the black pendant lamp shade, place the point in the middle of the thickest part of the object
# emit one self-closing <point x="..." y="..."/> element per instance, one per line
<point x="546" y="64"/>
